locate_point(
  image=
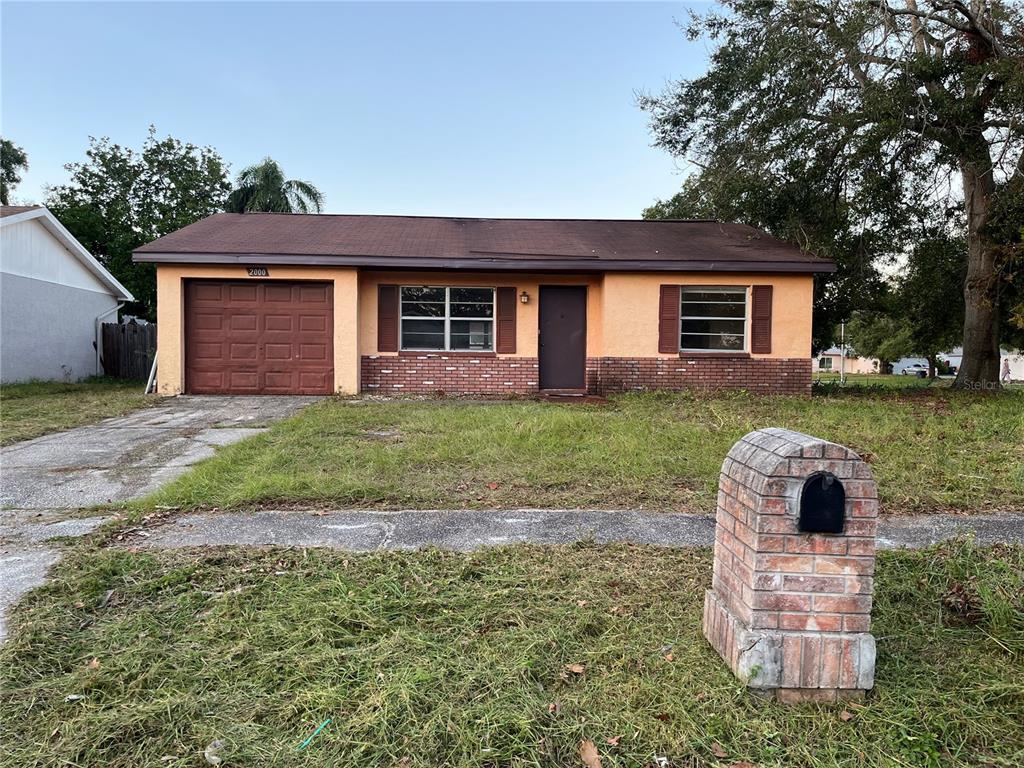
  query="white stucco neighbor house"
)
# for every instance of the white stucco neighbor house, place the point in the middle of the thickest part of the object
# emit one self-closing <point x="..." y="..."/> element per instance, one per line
<point x="53" y="298"/>
<point x="831" y="361"/>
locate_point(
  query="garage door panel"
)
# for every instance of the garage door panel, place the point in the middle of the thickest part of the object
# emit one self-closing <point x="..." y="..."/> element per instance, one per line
<point x="279" y="293"/>
<point x="246" y="353"/>
<point x="313" y="323"/>
<point x="208" y="350"/>
<point x="279" y="380"/>
<point x="208" y="292"/>
<point x="209" y="321"/>
<point x="248" y="321"/>
<point x="308" y="352"/>
<point x="258" y="337"/>
<point x="314" y="294"/>
<point x="277" y="322"/>
<point x="245" y="293"/>
<point x="277" y="351"/>
<point x="244" y="381"/>
<point x="205" y="382"/>
<point x="315" y="381"/>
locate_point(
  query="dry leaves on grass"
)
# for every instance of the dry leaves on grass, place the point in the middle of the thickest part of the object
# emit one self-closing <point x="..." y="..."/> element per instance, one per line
<point x="588" y="752"/>
<point x="718" y="750"/>
<point x="576" y="669"/>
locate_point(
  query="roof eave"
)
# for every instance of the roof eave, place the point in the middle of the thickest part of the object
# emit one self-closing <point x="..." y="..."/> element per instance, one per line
<point x="485" y="264"/>
<point x="52" y="225"/>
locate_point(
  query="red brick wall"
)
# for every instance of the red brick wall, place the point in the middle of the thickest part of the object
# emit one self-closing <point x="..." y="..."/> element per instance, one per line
<point x="430" y="372"/>
<point x="763" y="375"/>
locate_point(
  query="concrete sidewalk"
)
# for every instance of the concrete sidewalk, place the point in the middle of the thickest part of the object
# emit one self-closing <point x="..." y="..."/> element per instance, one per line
<point x="27" y="552"/>
<point x="464" y="530"/>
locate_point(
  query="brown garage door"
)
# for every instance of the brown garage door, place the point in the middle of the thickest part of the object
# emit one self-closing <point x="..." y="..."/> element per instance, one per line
<point x="258" y="337"/>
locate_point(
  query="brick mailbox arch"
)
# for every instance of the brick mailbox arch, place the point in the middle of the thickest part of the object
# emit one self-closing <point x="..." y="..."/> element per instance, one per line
<point x="790" y="608"/>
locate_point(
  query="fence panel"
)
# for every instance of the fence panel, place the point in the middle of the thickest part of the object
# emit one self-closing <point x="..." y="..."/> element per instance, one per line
<point x="128" y="350"/>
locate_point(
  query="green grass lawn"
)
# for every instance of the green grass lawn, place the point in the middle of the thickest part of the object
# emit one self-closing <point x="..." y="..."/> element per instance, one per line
<point x="431" y="658"/>
<point x="876" y="380"/>
<point x="38" y="408"/>
<point x="931" y="450"/>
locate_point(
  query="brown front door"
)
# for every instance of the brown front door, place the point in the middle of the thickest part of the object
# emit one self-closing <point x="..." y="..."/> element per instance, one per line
<point x="259" y="337"/>
<point x="563" y="337"/>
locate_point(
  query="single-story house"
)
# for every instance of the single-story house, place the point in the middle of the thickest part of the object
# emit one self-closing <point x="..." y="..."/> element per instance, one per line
<point x="53" y="297"/>
<point x="292" y="303"/>
<point x="831" y="361"/>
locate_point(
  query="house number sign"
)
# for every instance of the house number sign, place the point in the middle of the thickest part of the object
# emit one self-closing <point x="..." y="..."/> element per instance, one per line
<point x="258" y="272"/>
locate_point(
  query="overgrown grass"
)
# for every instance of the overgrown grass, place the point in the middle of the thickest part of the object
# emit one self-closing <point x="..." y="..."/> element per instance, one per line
<point x="431" y="658"/>
<point x="40" y="407"/>
<point x="880" y="381"/>
<point x="930" y="451"/>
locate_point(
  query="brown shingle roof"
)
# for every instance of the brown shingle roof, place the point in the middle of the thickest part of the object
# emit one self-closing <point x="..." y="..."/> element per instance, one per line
<point x="507" y="244"/>
<point x="11" y="210"/>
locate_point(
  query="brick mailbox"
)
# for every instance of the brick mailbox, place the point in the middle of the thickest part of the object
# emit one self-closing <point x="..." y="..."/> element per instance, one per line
<point x="790" y="605"/>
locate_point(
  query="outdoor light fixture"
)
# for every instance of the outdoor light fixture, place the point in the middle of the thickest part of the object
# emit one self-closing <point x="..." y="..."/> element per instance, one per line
<point x="524" y="297"/>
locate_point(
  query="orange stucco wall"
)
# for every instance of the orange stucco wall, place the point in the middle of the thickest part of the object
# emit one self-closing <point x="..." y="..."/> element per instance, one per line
<point x="526" y="314"/>
<point x="170" y="311"/>
<point x="631" y="310"/>
<point x="622" y="311"/>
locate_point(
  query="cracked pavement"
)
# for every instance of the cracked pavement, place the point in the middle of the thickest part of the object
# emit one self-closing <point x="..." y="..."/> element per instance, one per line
<point x="115" y="460"/>
<point x="465" y="530"/>
<point x="130" y="456"/>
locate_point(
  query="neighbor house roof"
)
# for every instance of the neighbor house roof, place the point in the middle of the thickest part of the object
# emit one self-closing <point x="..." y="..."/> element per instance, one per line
<point x="422" y="242"/>
<point x="14" y="214"/>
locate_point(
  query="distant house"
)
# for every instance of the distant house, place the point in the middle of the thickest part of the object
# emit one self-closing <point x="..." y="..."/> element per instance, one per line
<point x="1016" y="360"/>
<point x="955" y="355"/>
<point x="831" y="361"/>
<point x="264" y="303"/>
<point x="53" y="297"/>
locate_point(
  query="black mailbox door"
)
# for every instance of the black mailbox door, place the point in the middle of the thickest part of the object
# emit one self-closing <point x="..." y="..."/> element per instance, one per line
<point x="822" y="504"/>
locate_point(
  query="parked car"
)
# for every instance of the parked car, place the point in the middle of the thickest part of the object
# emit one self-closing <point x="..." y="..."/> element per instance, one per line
<point x="915" y="369"/>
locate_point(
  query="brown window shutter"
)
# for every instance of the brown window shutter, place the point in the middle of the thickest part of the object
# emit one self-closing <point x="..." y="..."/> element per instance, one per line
<point x="668" y="319"/>
<point x="505" y="332"/>
<point x="761" y="319"/>
<point x="387" y="318"/>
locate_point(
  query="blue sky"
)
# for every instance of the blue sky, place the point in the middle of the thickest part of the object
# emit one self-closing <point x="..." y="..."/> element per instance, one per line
<point x="475" y="109"/>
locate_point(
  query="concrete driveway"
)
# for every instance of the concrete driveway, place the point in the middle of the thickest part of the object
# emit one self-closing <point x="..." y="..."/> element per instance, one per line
<point x="118" y="459"/>
<point x="130" y="456"/>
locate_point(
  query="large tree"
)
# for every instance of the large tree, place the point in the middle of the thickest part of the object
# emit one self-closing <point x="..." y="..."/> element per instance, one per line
<point x="799" y="205"/>
<point x="264" y="188"/>
<point x="895" y="105"/>
<point x="13" y="160"/>
<point x="120" y="198"/>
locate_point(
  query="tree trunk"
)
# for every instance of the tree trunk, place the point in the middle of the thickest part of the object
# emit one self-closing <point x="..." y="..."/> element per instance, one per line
<point x="979" y="368"/>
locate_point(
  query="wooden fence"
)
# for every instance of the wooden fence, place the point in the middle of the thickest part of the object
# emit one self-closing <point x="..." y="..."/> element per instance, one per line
<point x="128" y="350"/>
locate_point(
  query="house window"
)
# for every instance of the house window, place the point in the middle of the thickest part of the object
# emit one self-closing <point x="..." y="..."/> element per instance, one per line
<point x="713" y="319"/>
<point x="437" y="318"/>
<point x="825" y="364"/>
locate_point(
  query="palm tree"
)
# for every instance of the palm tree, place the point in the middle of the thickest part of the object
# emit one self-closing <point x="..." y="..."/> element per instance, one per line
<point x="263" y="188"/>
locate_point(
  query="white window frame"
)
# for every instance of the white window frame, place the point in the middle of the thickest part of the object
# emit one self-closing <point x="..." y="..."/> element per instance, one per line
<point x="746" y="317"/>
<point x="493" y="319"/>
<point x="822" y="363"/>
